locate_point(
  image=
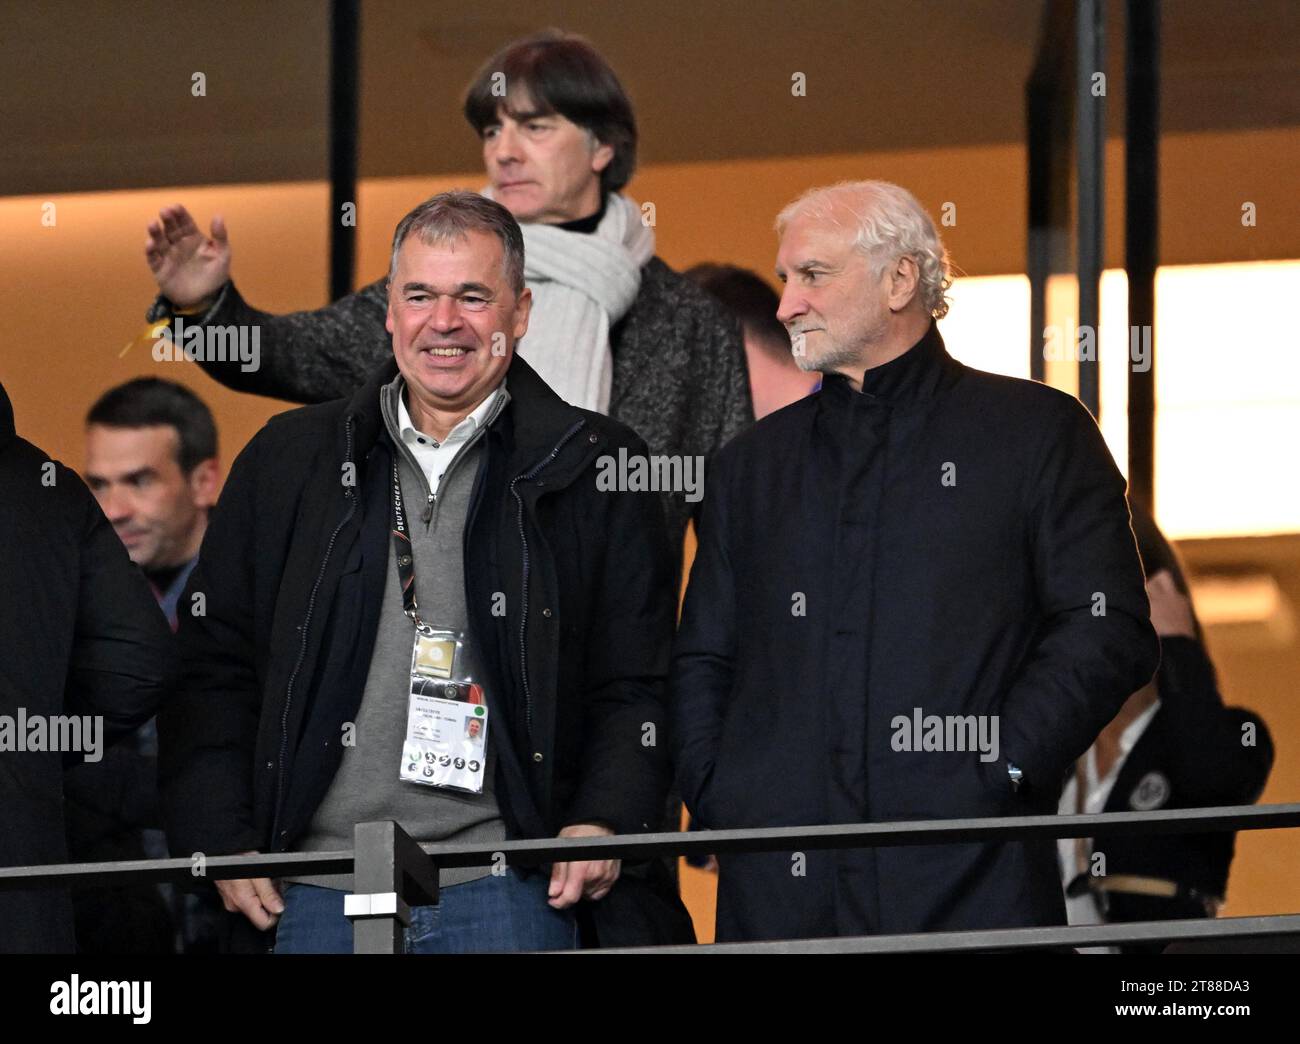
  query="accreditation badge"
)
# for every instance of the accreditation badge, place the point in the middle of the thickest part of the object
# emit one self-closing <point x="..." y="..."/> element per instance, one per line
<point x="446" y="718"/>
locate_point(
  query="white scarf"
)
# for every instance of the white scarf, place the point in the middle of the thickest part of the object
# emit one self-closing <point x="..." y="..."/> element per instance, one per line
<point x="582" y="285"/>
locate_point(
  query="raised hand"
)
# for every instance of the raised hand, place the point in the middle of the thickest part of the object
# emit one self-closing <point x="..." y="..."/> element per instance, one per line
<point x="188" y="266"/>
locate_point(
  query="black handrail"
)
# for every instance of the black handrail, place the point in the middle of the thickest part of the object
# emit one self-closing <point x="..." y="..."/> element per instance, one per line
<point x="392" y="873"/>
<point x="983" y="941"/>
<point x="699" y="842"/>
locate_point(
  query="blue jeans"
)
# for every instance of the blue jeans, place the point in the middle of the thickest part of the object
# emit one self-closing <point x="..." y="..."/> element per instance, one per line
<point x="490" y="915"/>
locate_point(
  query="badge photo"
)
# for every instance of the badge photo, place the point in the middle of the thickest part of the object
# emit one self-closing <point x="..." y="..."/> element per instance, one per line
<point x="474" y="729"/>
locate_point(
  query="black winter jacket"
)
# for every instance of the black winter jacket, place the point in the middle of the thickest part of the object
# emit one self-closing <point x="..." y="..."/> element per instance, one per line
<point x="80" y="634"/>
<point x="293" y="569"/>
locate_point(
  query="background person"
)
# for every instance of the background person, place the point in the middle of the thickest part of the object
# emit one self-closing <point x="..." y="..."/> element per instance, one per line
<point x="152" y="464"/>
<point x="1174" y="744"/>
<point x="775" y="379"/>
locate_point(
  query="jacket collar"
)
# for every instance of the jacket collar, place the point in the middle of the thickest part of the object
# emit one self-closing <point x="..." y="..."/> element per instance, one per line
<point x="920" y="373"/>
<point x="534" y="420"/>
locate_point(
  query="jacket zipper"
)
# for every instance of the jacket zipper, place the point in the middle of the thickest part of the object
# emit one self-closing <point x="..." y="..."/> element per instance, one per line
<point x="303" y="630"/>
<point x="528" y="476"/>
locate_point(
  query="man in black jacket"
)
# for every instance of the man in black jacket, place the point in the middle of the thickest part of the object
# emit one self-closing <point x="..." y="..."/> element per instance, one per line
<point x="442" y="523"/>
<point x="82" y="639"/>
<point x="916" y="596"/>
<point x="614" y="328"/>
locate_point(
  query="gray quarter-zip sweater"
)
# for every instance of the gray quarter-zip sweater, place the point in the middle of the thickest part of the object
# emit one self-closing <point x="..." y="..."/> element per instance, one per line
<point x="366" y="786"/>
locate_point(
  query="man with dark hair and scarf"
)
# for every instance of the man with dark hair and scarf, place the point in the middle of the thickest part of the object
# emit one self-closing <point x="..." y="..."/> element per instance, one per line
<point x="614" y="329"/>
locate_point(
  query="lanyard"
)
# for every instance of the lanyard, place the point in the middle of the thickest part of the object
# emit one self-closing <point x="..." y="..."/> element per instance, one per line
<point x="405" y="555"/>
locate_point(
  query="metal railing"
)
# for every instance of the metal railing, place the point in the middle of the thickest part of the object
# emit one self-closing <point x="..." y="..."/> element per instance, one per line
<point x="392" y="873"/>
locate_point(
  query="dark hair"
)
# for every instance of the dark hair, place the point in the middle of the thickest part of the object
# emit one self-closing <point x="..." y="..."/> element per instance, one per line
<point x="149" y="402"/>
<point x="451" y="215"/>
<point x="751" y="300"/>
<point x="563" y="73"/>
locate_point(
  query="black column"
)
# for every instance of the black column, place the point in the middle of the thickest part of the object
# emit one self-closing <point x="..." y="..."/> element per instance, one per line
<point x="1141" y="236"/>
<point x="345" y="44"/>
<point x="1049" y="98"/>
<point x="1038" y="111"/>
<point x="1090" y="160"/>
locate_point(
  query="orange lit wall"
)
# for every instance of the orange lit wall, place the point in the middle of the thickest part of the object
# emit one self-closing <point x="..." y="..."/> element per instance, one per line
<point x="72" y="295"/>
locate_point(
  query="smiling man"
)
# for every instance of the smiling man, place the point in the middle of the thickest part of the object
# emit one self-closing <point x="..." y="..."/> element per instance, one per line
<point x="916" y="538"/>
<point x="613" y="328"/>
<point x="420" y="608"/>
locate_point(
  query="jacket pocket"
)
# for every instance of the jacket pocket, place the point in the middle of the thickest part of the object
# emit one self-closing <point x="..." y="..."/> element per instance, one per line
<point x="342" y="629"/>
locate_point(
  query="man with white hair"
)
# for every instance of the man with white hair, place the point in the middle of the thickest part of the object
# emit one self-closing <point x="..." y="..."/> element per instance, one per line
<point x="916" y="596"/>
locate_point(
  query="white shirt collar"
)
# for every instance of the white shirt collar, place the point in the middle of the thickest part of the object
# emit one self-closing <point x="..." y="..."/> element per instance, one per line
<point x="462" y="431"/>
<point x="1133" y="731"/>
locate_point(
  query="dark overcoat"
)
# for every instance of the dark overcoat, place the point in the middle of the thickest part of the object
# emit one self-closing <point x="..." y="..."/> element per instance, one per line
<point x="80" y="635"/>
<point x="946" y="541"/>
